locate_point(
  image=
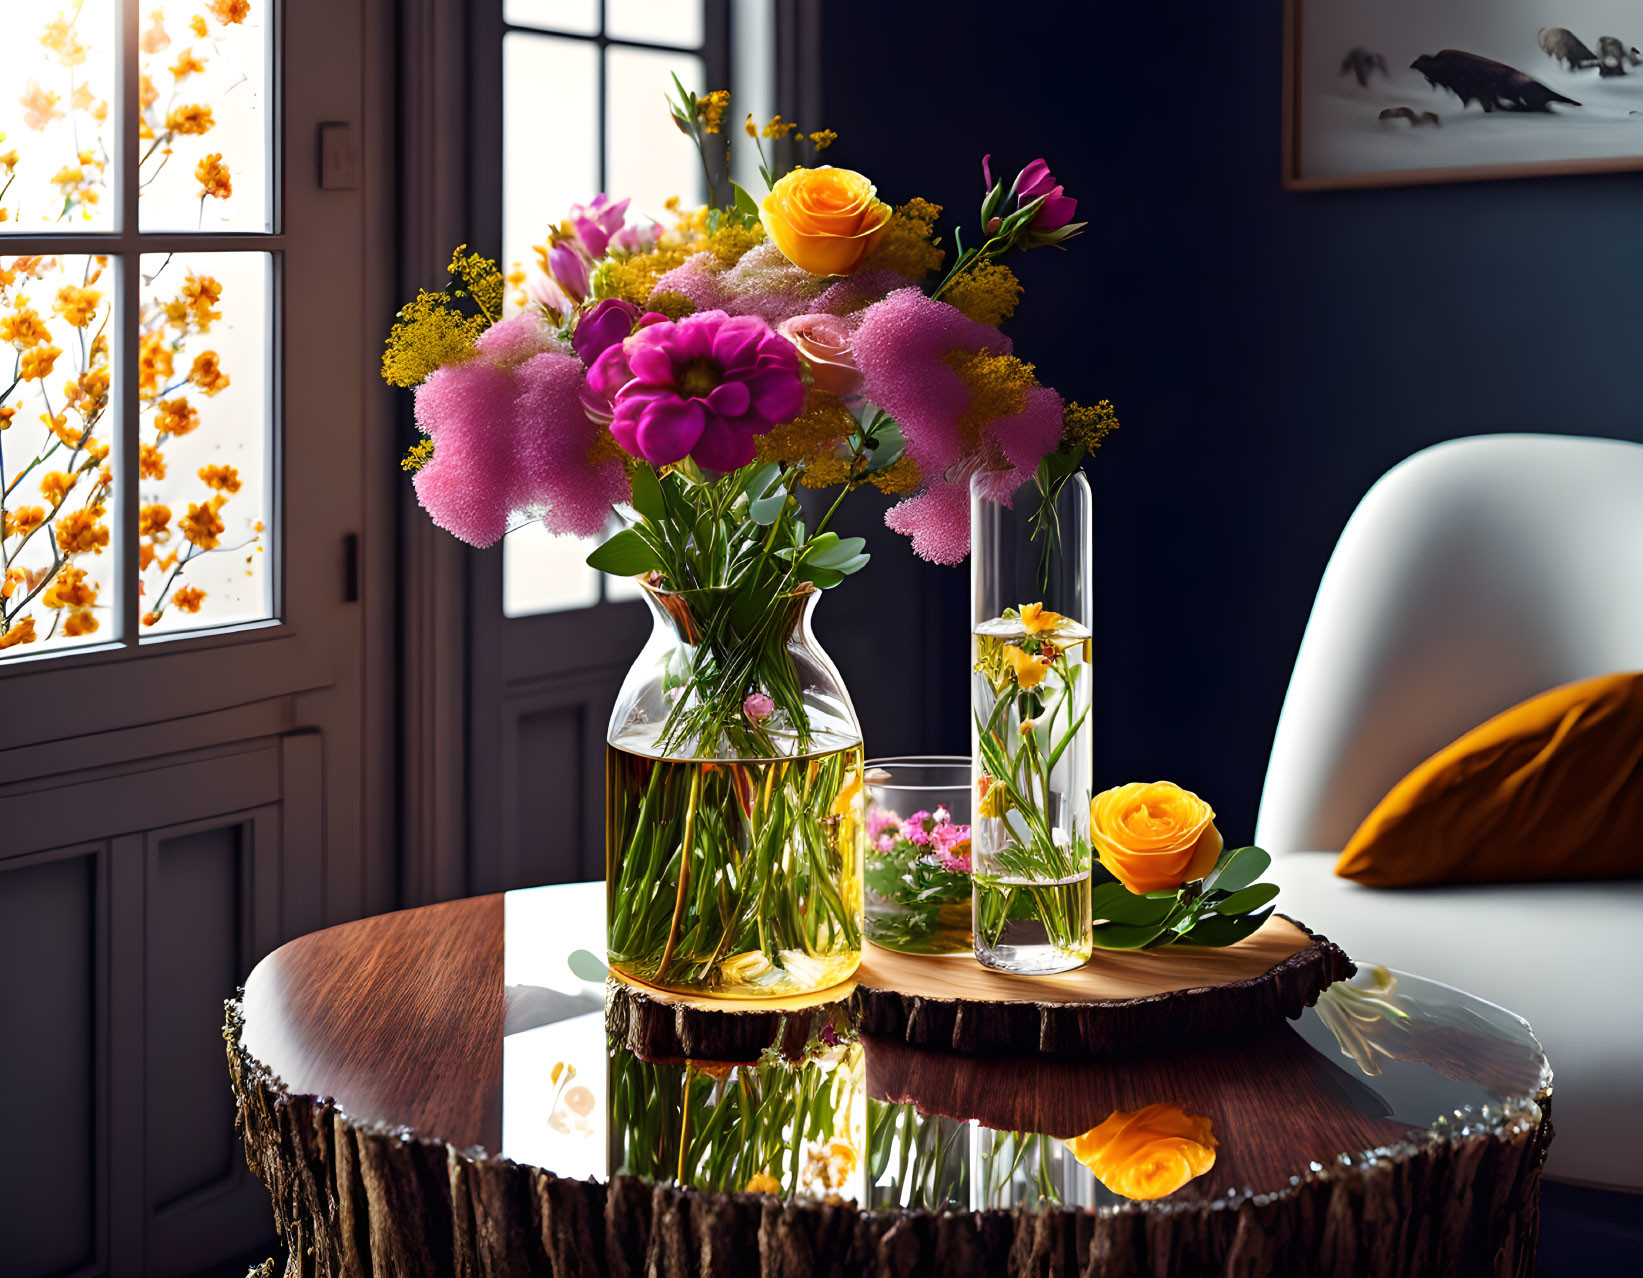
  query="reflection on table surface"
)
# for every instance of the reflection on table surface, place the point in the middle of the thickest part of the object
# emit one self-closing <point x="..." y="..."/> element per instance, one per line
<point x="1383" y="1058"/>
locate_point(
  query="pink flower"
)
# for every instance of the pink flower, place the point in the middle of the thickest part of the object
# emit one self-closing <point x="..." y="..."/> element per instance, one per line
<point x="604" y="326"/>
<point x="758" y="707"/>
<point x="540" y="290"/>
<point x="881" y="819"/>
<point x="957" y="862"/>
<point x="766" y="284"/>
<point x="1058" y="208"/>
<point x="824" y="341"/>
<point x="597" y="221"/>
<point x="886" y="843"/>
<point x="636" y="239"/>
<point x="899" y="346"/>
<point x="510" y="437"/>
<point x="704" y="386"/>
<point x="569" y="269"/>
<point x="948" y="836"/>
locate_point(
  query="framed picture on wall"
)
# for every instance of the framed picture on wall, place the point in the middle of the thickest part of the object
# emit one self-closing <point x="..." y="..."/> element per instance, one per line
<point x="1391" y="92"/>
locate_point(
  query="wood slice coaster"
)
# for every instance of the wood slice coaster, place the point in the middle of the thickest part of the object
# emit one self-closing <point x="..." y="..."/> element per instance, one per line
<point x="659" y="1025"/>
<point x="1122" y="1001"/>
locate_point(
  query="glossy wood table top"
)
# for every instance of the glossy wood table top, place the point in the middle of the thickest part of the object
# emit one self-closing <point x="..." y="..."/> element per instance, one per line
<point x="464" y="1023"/>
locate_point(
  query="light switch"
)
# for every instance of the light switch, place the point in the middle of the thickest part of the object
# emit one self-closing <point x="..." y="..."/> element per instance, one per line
<point x="338" y="164"/>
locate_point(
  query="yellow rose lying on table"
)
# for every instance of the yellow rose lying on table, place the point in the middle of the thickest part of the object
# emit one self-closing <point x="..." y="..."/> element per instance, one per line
<point x="824" y="220"/>
<point x="1154" y="836"/>
<point x="1147" y="1152"/>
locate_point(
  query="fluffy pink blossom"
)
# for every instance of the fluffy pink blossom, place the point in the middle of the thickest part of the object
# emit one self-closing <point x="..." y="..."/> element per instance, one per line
<point x="764" y="283"/>
<point x="704" y="386"/>
<point x="886" y="843"/>
<point x="758" y="707"/>
<point x="957" y="862"/>
<point x="510" y="438"/>
<point x="899" y="345"/>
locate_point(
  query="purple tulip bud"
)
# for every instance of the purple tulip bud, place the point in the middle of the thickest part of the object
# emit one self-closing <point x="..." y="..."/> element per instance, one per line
<point x="1058" y="208"/>
<point x="987" y="172"/>
<point x="570" y="269"/>
<point x="603" y="327"/>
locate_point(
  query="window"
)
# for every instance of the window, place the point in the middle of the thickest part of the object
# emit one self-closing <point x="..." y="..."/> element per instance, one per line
<point x="583" y="83"/>
<point x="138" y="273"/>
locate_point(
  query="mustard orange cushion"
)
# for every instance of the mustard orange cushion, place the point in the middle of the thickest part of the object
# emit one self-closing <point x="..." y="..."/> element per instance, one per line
<point x="1550" y="789"/>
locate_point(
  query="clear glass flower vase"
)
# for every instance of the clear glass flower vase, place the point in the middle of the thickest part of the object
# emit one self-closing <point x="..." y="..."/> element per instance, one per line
<point x="1031" y="735"/>
<point x="735" y="814"/>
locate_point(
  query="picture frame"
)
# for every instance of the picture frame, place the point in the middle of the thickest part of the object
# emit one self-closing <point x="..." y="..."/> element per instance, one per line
<point x="1558" y="118"/>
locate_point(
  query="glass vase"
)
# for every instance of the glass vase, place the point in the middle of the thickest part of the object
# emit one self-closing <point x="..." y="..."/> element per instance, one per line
<point x="918" y="854"/>
<point x="1031" y="736"/>
<point x="734" y="826"/>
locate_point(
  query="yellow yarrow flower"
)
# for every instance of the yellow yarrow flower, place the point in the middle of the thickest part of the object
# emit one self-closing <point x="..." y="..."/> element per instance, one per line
<point x="987" y="292"/>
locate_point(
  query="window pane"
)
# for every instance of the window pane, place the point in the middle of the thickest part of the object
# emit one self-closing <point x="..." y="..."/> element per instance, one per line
<point x="657" y="21"/>
<point x="544" y="573"/>
<point x="561" y="15"/>
<point x="205" y="122"/>
<point x="57" y="125"/>
<point x="204" y="475"/>
<point x="550" y="140"/>
<point x="646" y="156"/>
<point x="57" y="552"/>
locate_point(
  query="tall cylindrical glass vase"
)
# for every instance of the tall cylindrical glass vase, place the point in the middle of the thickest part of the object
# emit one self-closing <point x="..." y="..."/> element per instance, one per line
<point x="1031" y="735"/>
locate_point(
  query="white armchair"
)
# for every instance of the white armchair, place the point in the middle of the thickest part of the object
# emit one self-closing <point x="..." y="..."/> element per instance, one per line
<point x="1473" y="575"/>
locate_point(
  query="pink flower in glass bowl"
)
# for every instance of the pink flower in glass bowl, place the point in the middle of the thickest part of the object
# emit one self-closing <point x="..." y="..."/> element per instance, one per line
<point x="704" y="387"/>
<point x="758" y="707"/>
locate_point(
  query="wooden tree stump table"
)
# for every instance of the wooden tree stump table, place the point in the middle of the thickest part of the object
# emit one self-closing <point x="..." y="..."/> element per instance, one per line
<point x="433" y="1092"/>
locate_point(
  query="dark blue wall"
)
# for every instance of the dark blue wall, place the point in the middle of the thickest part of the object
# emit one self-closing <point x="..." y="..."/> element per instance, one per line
<point x="1270" y="353"/>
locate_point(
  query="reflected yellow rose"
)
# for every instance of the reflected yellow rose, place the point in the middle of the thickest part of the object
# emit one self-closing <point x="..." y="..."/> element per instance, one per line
<point x="1149" y="1152"/>
<point x="824" y="220"/>
<point x="1154" y="836"/>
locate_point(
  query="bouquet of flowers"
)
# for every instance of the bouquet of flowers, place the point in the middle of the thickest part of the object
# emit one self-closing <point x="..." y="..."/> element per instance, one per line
<point x="698" y="379"/>
<point x="918" y="882"/>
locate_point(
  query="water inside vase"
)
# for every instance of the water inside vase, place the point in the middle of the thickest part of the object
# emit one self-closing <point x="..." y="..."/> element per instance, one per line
<point x="735" y="878"/>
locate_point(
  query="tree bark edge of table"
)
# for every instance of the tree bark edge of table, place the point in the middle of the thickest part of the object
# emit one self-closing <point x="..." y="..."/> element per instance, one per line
<point x="354" y="1199"/>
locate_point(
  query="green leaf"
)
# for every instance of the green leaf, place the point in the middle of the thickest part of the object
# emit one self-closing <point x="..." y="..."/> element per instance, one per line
<point x="1237" y="869"/>
<point x="747" y="208"/>
<point x="1126" y="936"/>
<point x="767" y="510"/>
<point x="759" y="481"/>
<point x="837" y="551"/>
<point x="624" y="555"/>
<point x="647" y="495"/>
<point x="1115" y="902"/>
<point x="1220" y="929"/>
<point x="1250" y="898"/>
<point x="822" y="578"/>
<point x="587" y="966"/>
<point x="853" y="564"/>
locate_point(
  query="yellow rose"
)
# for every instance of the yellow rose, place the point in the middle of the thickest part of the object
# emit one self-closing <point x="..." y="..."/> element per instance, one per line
<point x="824" y="220"/>
<point x="1154" y="837"/>
<point x="1148" y="1152"/>
<point x="1028" y="668"/>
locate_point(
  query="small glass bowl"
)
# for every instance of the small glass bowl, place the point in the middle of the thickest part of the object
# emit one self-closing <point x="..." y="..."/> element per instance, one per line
<point x="918" y="875"/>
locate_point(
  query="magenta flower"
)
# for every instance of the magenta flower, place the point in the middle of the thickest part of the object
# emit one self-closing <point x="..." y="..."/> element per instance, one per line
<point x="758" y="707"/>
<point x="1058" y="207"/>
<point x="597" y="221"/>
<point x="603" y="327"/>
<point x="569" y="269"/>
<point x="704" y="386"/>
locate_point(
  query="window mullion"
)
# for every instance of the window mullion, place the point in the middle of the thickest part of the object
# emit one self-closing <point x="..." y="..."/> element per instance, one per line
<point x="128" y="285"/>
